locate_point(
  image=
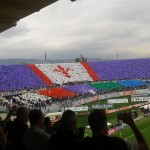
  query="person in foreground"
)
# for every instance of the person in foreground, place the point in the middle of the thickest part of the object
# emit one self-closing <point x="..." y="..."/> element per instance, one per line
<point x="17" y="128"/>
<point x="67" y="135"/>
<point x="100" y="140"/>
<point x="35" y="138"/>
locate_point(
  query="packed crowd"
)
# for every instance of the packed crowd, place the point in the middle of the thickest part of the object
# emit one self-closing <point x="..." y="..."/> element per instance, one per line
<point x="122" y="69"/>
<point x="19" y="77"/>
<point x="29" y="100"/>
<point x="39" y="134"/>
<point x="73" y="92"/>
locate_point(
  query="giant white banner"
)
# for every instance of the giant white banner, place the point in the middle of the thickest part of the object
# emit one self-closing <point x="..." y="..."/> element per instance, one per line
<point x="65" y="72"/>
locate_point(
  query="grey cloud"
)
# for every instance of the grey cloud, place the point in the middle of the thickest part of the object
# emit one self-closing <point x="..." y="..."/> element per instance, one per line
<point x="14" y="32"/>
<point x="96" y="28"/>
<point x="134" y="11"/>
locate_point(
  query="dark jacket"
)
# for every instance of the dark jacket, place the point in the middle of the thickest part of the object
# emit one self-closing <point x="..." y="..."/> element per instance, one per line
<point x="103" y="142"/>
<point x="63" y="139"/>
<point x="15" y="134"/>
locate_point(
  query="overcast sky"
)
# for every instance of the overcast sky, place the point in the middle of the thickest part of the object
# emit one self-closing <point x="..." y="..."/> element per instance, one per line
<point x="93" y="28"/>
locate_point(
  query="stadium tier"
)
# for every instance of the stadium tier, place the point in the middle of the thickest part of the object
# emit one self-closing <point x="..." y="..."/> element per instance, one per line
<point x="122" y="69"/>
<point x="18" y="77"/>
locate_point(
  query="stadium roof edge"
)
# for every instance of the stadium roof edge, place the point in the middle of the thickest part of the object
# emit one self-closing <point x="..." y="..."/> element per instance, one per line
<point x="12" y="11"/>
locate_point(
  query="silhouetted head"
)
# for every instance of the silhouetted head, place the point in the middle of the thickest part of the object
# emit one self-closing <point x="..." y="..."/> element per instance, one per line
<point x="36" y="118"/>
<point x="69" y="119"/>
<point x="98" y="121"/>
<point x="23" y="114"/>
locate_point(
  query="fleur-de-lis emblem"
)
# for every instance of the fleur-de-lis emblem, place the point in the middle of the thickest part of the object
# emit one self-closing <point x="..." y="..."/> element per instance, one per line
<point x="63" y="71"/>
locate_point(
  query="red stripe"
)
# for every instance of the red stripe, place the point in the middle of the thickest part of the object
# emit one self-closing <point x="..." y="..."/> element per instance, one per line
<point x="45" y="79"/>
<point x="90" y="71"/>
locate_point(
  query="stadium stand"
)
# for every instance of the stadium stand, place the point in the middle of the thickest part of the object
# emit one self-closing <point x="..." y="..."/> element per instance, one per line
<point x="91" y="72"/>
<point x="70" y="84"/>
<point x="46" y="80"/>
<point x="16" y="77"/>
<point x="132" y="83"/>
<point x="122" y="69"/>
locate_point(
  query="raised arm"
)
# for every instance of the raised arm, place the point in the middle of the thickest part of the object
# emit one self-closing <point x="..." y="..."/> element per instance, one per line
<point x="142" y="144"/>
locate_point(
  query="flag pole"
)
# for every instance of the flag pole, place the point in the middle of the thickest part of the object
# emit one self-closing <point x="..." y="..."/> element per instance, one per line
<point x="45" y="56"/>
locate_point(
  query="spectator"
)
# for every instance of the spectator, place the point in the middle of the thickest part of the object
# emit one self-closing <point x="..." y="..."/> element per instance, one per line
<point x="67" y="134"/>
<point x="47" y="126"/>
<point x="35" y="138"/>
<point x="17" y="129"/>
<point x="98" y="124"/>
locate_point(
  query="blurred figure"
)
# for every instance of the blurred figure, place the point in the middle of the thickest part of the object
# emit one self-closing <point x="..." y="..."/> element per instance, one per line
<point x="35" y="138"/>
<point x="3" y="139"/>
<point x="1" y="120"/>
<point x="47" y="126"/>
<point x="17" y="128"/>
<point x="98" y="123"/>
